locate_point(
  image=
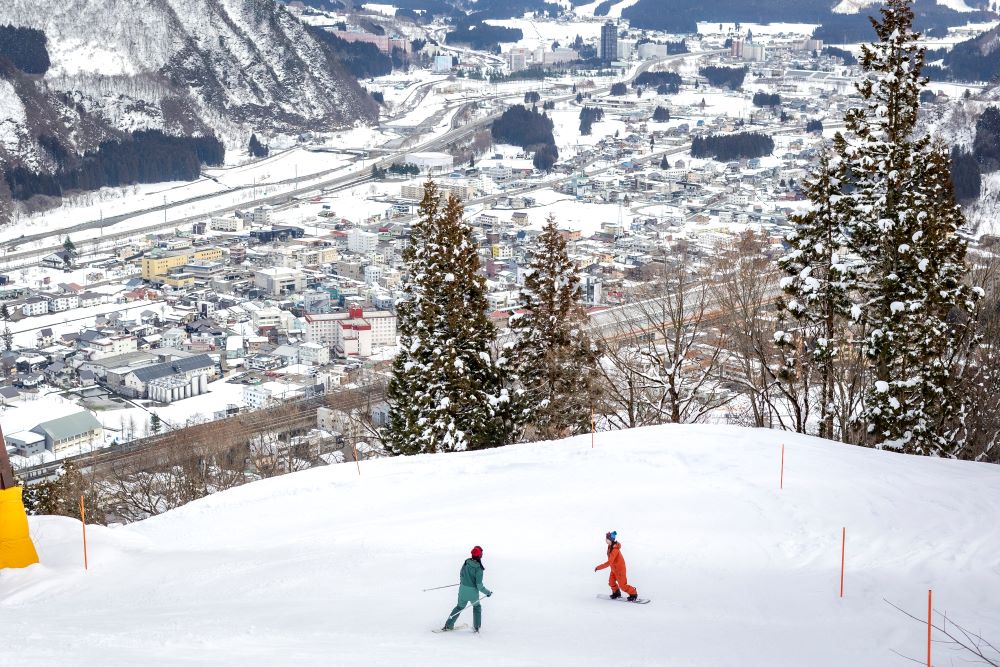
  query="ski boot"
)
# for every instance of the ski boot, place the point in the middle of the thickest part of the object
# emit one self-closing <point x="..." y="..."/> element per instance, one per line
<point x="633" y="597"/>
<point x="617" y="594"/>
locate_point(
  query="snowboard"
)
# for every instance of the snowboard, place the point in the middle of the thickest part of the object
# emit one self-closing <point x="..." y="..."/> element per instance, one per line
<point x="460" y="626"/>
<point x="623" y="599"/>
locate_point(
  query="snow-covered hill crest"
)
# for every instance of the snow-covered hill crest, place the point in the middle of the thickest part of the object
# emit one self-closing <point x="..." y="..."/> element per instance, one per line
<point x="327" y="567"/>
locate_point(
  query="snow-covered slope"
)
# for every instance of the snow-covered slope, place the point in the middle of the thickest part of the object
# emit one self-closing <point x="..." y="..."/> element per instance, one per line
<point x="855" y="6"/>
<point x="326" y="567"/>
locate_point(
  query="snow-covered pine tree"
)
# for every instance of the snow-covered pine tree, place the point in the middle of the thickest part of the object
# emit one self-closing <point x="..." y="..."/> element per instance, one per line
<point x="902" y="222"/>
<point x="555" y="360"/>
<point x="817" y="288"/>
<point x="446" y="391"/>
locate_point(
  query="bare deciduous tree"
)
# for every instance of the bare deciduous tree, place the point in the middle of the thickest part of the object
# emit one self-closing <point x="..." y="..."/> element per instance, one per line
<point x="978" y="367"/>
<point x="663" y="354"/>
<point x="957" y="638"/>
<point x="776" y="387"/>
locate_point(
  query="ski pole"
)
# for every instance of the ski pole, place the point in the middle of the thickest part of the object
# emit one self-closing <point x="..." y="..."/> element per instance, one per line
<point x="478" y="600"/>
<point x="440" y="587"/>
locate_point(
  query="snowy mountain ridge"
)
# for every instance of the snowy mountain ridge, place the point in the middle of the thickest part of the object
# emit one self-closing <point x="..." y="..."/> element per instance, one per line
<point x="328" y="566"/>
<point x="185" y="66"/>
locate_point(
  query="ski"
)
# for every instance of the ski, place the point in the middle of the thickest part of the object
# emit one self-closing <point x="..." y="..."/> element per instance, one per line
<point x="460" y="626"/>
<point x="623" y="599"/>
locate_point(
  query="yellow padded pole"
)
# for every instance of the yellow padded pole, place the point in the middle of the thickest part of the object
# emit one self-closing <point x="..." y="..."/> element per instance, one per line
<point x="16" y="547"/>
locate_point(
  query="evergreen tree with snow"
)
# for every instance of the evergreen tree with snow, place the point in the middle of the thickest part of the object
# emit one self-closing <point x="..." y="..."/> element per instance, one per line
<point x="910" y="295"/>
<point x="256" y="148"/>
<point x="7" y="336"/>
<point x="556" y="362"/>
<point x="817" y="288"/>
<point x="447" y="391"/>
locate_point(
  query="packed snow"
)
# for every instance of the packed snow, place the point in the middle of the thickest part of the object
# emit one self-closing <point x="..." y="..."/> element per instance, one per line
<point x="327" y="566"/>
<point x="855" y="6"/>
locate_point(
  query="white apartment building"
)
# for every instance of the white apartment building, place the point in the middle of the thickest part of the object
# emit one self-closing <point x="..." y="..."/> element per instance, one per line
<point x="266" y="317"/>
<point x="297" y="255"/>
<point x="35" y="305"/>
<point x="262" y="395"/>
<point x="502" y="251"/>
<point x="557" y="56"/>
<point x="63" y="302"/>
<point x="442" y="64"/>
<point x="502" y="299"/>
<point x="374" y="273"/>
<point x="110" y="346"/>
<point x="314" y="354"/>
<point x="279" y="280"/>
<point x="362" y="242"/>
<point x="650" y="50"/>
<point x="451" y="186"/>
<point x="260" y="215"/>
<point x="229" y="223"/>
<point x="256" y="397"/>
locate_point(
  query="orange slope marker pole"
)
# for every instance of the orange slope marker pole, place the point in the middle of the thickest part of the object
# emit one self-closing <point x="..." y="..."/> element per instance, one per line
<point x="781" y="479"/>
<point x="929" y="612"/>
<point x="843" y="544"/>
<point x="83" y="524"/>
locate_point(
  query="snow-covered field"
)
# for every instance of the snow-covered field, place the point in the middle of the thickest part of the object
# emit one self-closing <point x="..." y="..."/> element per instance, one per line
<point x="709" y="28"/>
<point x="537" y="33"/>
<point x="326" y="567"/>
<point x="197" y="409"/>
<point x="854" y="6"/>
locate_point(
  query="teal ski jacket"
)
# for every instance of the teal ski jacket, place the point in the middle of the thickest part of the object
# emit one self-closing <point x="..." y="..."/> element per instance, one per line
<point x="470" y="580"/>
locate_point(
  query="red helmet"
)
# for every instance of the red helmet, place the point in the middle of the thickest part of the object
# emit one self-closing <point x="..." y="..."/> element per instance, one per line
<point x="477" y="552"/>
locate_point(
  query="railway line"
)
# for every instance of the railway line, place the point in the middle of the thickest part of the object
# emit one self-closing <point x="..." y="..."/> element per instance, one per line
<point x="286" y="417"/>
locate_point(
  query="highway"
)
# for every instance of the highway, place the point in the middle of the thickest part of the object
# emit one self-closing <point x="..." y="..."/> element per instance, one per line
<point x="13" y="260"/>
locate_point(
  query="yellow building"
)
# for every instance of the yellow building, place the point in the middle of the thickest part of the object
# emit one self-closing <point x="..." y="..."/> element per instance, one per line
<point x="155" y="267"/>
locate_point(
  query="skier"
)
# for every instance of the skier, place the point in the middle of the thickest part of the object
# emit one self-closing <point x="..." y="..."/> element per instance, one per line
<point x="617" y="580"/>
<point x="470" y="586"/>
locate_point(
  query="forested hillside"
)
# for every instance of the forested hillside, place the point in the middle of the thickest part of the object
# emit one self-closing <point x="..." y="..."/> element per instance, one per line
<point x="77" y="73"/>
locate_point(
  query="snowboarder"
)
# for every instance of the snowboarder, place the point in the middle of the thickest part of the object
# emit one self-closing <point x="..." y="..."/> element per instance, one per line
<point x="617" y="580"/>
<point x="470" y="586"/>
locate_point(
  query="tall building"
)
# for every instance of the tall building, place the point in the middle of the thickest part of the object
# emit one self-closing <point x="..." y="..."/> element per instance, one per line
<point x="609" y="42"/>
<point x="625" y="49"/>
<point x="517" y="59"/>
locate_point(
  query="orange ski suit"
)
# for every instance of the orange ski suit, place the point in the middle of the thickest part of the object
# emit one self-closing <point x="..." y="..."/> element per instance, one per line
<point x="617" y="578"/>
